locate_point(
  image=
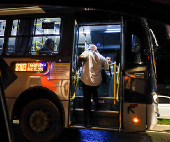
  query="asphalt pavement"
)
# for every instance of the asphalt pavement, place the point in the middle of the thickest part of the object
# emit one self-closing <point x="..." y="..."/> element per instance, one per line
<point x="159" y="134"/>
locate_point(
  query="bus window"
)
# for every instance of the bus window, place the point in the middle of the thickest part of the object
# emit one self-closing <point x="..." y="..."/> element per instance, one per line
<point x="135" y="44"/>
<point x="136" y="49"/>
<point x="30" y="36"/>
<point x="2" y="31"/>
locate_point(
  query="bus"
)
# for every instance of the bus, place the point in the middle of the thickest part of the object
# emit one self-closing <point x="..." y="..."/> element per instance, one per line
<point x="47" y="95"/>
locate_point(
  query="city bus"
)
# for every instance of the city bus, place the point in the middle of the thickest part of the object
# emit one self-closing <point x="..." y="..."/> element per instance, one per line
<point x="41" y="45"/>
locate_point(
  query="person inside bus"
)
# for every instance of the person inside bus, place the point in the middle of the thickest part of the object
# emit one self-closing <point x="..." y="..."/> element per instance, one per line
<point x="110" y="62"/>
<point x="91" y="78"/>
<point x="109" y="87"/>
<point x="48" y="47"/>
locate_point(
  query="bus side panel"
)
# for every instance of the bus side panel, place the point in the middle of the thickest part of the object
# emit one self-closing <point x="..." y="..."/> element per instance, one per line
<point x="151" y="116"/>
<point x="134" y="117"/>
<point x="66" y="106"/>
<point x="10" y="102"/>
<point x="56" y="79"/>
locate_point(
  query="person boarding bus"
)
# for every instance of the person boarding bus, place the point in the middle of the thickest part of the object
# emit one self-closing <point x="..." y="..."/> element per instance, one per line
<point x="91" y="78"/>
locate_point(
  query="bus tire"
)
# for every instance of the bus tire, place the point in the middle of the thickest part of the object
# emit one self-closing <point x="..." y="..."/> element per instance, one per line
<point x="40" y="121"/>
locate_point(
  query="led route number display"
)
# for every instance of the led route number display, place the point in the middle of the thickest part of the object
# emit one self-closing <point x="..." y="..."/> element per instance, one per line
<point x="31" y="67"/>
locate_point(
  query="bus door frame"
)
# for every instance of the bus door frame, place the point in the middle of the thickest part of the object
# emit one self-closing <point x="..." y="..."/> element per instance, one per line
<point x="73" y="75"/>
<point x="122" y="66"/>
<point x="122" y="69"/>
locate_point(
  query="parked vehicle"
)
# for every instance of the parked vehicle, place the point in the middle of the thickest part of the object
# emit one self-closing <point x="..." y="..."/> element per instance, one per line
<point x="164" y="106"/>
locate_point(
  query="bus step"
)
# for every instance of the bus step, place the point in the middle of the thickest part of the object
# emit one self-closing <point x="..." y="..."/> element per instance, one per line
<point x="79" y="126"/>
<point x="108" y="98"/>
<point x="104" y="104"/>
<point x="98" y="118"/>
<point x="105" y="107"/>
<point x="99" y="111"/>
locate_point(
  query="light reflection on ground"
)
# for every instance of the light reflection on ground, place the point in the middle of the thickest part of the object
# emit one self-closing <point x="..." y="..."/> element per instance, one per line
<point x="95" y="136"/>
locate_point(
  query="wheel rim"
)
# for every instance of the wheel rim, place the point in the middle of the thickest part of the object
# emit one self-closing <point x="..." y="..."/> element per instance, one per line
<point x="39" y="121"/>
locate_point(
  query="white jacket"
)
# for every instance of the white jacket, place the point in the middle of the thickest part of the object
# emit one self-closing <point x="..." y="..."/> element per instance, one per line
<point x="92" y="67"/>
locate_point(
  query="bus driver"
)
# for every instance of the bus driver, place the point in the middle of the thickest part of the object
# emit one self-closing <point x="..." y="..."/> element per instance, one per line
<point x="91" y="78"/>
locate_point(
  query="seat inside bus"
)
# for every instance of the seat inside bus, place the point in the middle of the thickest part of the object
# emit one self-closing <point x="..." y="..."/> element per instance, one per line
<point x="107" y="40"/>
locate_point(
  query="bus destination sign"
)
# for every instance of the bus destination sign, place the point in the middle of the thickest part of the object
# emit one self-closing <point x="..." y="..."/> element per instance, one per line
<point x="48" y="25"/>
<point x="31" y="66"/>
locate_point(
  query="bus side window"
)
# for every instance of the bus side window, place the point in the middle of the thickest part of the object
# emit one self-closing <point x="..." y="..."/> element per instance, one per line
<point x="134" y="44"/>
<point x="2" y="31"/>
<point x="29" y="36"/>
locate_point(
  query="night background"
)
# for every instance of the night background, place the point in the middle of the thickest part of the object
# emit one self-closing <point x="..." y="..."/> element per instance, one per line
<point x="162" y="54"/>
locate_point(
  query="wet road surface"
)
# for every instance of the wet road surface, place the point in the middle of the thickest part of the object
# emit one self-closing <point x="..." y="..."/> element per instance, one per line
<point x="82" y="135"/>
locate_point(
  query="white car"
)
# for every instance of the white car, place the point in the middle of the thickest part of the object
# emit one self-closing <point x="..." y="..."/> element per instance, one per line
<point x="164" y="106"/>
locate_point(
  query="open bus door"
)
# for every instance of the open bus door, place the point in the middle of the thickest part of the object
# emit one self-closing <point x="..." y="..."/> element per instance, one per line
<point x="139" y="109"/>
<point x="107" y="117"/>
<point x="133" y="108"/>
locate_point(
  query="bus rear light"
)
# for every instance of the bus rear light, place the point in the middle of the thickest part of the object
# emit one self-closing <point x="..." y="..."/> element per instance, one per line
<point x="136" y="120"/>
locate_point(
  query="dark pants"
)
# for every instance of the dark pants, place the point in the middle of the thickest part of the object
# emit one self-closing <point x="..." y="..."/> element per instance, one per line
<point x="89" y="91"/>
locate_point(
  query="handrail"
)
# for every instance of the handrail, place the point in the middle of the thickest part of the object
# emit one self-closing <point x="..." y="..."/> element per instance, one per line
<point x="85" y="42"/>
<point x="74" y="81"/>
<point x="114" y="81"/>
<point x="76" y="78"/>
<point x="118" y="82"/>
<point x="36" y="49"/>
<point x="38" y="43"/>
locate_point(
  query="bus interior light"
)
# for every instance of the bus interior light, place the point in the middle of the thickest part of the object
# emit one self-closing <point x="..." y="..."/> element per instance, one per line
<point x="113" y="29"/>
<point x="136" y="120"/>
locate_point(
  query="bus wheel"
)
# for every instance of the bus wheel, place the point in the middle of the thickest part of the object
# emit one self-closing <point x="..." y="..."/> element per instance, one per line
<point x="40" y="121"/>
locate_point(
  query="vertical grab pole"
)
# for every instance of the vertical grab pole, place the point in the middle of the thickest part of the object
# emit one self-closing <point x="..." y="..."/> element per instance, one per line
<point x="85" y="42"/>
<point x="114" y="82"/>
<point x="118" y="81"/>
